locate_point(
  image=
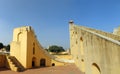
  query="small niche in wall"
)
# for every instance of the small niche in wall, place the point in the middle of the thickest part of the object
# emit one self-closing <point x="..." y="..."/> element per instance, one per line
<point x="77" y="57"/>
<point x="75" y="32"/>
<point x="33" y="50"/>
<point x="76" y="42"/>
<point x="81" y="46"/>
<point x="81" y="39"/>
<point x="82" y="60"/>
<point x="33" y="44"/>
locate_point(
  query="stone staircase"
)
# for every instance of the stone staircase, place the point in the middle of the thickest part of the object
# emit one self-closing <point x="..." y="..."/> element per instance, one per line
<point x="14" y="64"/>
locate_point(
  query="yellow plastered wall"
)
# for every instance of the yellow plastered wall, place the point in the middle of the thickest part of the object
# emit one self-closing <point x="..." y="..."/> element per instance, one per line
<point x="57" y="63"/>
<point x="26" y="48"/>
<point x="28" y="51"/>
<point x="94" y="51"/>
<point x="19" y="45"/>
<point x="69" y="57"/>
<point x="35" y="50"/>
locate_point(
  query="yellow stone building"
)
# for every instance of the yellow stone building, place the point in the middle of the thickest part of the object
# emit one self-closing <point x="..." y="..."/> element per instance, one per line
<point x="95" y="51"/>
<point x="27" y="49"/>
<point x="26" y="52"/>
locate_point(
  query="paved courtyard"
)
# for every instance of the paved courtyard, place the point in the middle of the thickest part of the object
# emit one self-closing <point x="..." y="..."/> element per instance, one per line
<point x="67" y="69"/>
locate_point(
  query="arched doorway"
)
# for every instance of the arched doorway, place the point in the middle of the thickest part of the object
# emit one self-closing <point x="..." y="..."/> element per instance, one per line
<point x="95" y="69"/>
<point x="33" y="61"/>
<point x="42" y="62"/>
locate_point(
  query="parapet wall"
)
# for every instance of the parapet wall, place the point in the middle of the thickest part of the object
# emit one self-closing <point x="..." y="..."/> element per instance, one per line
<point x="110" y="35"/>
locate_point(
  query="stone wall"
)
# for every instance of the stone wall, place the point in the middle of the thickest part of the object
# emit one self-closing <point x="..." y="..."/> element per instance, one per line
<point x="95" y="52"/>
<point x="26" y="48"/>
<point x="2" y="61"/>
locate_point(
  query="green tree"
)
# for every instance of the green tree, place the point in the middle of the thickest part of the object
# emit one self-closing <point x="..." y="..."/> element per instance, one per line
<point x="1" y="45"/>
<point x="56" y="49"/>
<point x="46" y="49"/>
<point x="7" y="48"/>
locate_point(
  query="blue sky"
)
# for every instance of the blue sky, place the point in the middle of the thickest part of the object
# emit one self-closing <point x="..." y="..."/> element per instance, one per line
<point x="49" y="18"/>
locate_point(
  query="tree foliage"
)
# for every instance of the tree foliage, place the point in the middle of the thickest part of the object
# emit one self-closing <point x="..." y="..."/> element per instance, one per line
<point x="7" y="48"/>
<point x="1" y="45"/>
<point x="56" y="49"/>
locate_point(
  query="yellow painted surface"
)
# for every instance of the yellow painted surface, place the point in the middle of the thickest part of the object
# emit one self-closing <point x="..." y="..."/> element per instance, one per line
<point x="90" y="46"/>
<point x="69" y="57"/>
<point x="28" y="51"/>
<point x="58" y="63"/>
<point x="95" y="70"/>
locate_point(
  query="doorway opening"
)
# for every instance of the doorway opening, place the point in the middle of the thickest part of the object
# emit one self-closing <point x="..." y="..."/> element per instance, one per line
<point x="42" y="63"/>
<point x="33" y="61"/>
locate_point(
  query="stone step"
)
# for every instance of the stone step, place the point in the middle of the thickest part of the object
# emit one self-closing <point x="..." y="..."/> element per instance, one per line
<point x="14" y="64"/>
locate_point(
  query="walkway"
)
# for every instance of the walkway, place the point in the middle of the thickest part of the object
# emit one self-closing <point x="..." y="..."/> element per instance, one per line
<point x="68" y="69"/>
